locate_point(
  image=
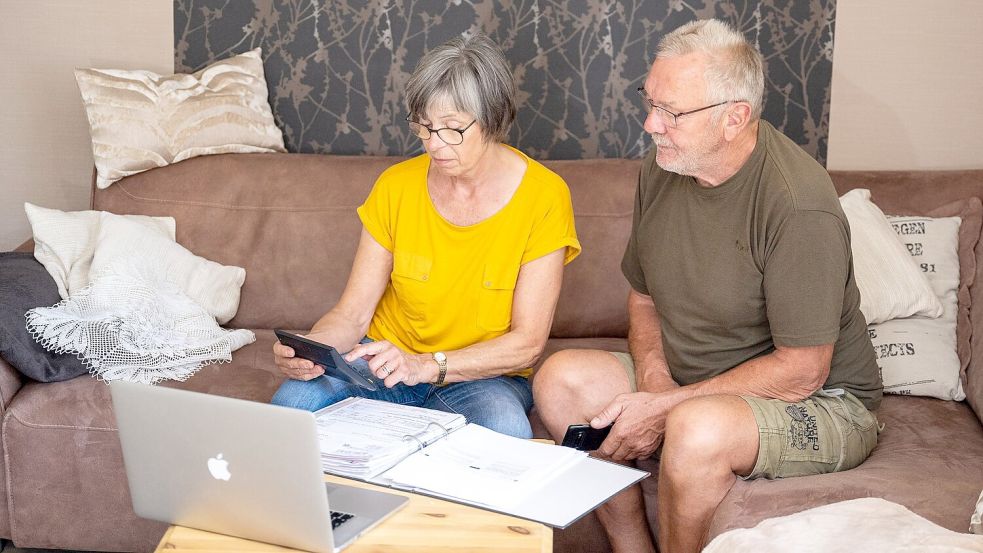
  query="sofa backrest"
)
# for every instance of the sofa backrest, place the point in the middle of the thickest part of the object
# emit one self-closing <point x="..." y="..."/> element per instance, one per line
<point x="290" y="221"/>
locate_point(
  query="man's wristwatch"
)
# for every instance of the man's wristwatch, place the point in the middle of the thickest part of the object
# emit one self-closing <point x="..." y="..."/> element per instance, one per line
<point x="441" y="360"/>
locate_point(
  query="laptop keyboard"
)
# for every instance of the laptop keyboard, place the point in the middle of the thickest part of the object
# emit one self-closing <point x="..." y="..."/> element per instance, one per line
<point x="337" y="519"/>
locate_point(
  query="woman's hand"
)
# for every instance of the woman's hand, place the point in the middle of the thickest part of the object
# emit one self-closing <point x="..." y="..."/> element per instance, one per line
<point x="394" y="365"/>
<point x="294" y="367"/>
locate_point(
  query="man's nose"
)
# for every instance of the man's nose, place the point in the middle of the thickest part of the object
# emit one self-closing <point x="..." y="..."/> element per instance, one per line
<point x="653" y="123"/>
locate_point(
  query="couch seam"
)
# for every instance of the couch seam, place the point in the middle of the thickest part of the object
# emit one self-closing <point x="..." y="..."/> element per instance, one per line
<point x="6" y="471"/>
<point x="287" y="208"/>
<point x="231" y="206"/>
<point x="59" y="426"/>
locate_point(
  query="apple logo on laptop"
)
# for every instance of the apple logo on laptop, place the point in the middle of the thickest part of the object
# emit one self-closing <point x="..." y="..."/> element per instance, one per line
<point x="219" y="467"/>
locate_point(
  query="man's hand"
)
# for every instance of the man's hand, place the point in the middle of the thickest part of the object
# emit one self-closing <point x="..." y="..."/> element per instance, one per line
<point x="639" y="423"/>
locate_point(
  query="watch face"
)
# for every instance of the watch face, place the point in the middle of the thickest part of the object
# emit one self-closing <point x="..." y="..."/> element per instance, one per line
<point x="440" y="357"/>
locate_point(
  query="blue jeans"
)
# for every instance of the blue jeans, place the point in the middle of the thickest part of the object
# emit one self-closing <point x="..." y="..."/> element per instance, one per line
<point x="499" y="403"/>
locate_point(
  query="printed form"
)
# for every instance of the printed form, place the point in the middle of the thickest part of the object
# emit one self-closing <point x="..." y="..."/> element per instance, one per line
<point x="482" y="466"/>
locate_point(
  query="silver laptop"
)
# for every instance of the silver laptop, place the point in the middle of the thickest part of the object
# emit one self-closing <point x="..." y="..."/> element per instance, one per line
<point x="236" y="467"/>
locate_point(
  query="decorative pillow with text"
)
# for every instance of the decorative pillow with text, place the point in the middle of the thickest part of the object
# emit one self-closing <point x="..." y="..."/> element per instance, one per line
<point x="917" y="356"/>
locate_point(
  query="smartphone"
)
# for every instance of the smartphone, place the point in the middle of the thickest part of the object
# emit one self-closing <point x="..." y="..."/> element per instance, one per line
<point x="585" y="437"/>
<point x="329" y="358"/>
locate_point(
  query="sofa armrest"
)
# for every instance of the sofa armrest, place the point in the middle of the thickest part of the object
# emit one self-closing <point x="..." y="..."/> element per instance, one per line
<point x="10" y="382"/>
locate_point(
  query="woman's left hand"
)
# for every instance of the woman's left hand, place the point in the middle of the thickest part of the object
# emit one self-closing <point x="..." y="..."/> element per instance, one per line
<point x="394" y="365"/>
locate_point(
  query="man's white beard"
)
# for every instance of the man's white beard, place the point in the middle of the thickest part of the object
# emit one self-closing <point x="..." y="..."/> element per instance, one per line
<point x="694" y="162"/>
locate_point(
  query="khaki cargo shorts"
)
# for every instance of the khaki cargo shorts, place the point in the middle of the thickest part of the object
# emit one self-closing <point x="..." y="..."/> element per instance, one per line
<point x="829" y="431"/>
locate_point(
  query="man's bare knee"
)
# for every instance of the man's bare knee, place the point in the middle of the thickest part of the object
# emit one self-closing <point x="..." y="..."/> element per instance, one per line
<point x="710" y="432"/>
<point x="564" y="371"/>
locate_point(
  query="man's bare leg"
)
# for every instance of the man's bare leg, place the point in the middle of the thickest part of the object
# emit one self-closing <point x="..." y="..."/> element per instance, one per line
<point x="572" y="387"/>
<point x="709" y="440"/>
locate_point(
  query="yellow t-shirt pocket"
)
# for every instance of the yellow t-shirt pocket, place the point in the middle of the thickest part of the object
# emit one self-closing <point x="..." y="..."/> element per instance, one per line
<point x="495" y="297"/>
<point x="411" y="282"/>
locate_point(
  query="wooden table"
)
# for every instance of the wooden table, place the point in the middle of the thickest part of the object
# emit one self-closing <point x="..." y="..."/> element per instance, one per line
<point x="425" y="524"/>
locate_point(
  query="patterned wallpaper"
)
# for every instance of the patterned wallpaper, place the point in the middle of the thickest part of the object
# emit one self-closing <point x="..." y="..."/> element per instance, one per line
<point x="336" y="68"/>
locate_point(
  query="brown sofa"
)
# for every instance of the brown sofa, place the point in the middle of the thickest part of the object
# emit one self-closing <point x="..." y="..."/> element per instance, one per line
<point x="289" y="219"/>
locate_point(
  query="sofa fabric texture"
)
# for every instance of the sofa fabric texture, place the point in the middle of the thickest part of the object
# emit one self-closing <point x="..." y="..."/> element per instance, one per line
<point x="290" y="221"/>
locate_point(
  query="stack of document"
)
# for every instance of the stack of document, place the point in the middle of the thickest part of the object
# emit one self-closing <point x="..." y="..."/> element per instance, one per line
<point x="440" y="454"/>
<point x="362" y="437"/>
<point x="480" y="466"/>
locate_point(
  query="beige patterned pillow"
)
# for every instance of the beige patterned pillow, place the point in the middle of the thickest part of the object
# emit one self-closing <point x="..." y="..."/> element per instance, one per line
<point x="140" y="120"/>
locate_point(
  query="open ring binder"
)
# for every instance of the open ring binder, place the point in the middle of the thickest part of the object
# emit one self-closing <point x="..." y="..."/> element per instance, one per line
<point x="421" y="437"/>
<point x="440" y="454"/>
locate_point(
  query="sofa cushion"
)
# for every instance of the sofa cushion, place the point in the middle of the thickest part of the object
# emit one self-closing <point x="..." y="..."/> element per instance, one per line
<point x="24" y="285"/>
<point x="140" y="120"/>
<point x="916" y="355"/>
<point x="65" y="242"/>
<point x="891" y="285"/>
<point x="126" y="245"/>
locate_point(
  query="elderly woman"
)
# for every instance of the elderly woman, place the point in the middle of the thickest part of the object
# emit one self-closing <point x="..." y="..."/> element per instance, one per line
<point x="459" y="265"/>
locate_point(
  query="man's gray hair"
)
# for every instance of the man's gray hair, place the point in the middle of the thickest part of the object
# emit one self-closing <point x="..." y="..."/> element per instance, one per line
<point x="473" y="74"/>
<point x="735" y="70"/>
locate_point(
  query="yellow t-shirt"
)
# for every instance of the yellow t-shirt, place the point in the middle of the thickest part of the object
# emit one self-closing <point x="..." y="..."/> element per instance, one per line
<point x="452" y="286"/>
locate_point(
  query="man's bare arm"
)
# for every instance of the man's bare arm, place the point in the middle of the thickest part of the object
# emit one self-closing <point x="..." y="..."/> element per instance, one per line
<point x="645" y="343"/>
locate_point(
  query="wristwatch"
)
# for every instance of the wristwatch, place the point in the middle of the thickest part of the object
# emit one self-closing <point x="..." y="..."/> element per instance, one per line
<point x="441" y="360"/>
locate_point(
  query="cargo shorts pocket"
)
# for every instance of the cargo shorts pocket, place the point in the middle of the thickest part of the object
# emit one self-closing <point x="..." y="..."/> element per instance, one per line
<point x="857" y="427"/>
<point x="495" y="297"/>
<point x="794" y="439"/>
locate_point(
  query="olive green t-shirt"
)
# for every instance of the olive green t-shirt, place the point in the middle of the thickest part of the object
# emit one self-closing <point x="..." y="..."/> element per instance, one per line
<point x="762" y="260"/>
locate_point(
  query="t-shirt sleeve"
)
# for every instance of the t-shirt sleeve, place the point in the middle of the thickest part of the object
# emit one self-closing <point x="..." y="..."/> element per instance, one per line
<point x="631" y="267"/>
<point x="805" y="278"/>
<point x="553" y="227"/>
<point x="377" y="213"/>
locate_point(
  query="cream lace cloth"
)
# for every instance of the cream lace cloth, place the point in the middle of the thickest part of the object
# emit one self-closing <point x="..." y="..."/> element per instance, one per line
<point x="129" y="324"/>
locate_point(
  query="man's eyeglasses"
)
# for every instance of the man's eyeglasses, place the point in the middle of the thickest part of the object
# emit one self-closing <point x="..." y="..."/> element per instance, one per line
<point x="667" y="117"/>
<point x="447" y="134"/>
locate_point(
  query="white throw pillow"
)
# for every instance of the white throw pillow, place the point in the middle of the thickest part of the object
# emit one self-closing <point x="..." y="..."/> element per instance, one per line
<point x="917" y="356"/>
<point x="140" y="120"/>
<point x="976" y="520"/>
<point x="891" y="284"/>
<point x="65" y="241"/>
<point x="216" y="287"/>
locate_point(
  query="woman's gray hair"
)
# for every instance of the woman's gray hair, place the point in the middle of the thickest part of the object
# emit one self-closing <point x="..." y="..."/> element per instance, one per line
<point x="473" y="74"/>
<point x="735" y="70"/>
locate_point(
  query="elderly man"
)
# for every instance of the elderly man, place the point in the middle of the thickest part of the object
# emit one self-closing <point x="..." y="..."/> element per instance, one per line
<point x="749" y="355"/>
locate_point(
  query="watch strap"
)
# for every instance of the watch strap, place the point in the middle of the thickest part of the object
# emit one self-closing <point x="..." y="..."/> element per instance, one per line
<point x="441" y="361"/>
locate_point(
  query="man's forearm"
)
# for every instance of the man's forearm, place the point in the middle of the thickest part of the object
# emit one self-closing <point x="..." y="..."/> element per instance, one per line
<point x="788" y="374"/>
<point x="645" y="343"/>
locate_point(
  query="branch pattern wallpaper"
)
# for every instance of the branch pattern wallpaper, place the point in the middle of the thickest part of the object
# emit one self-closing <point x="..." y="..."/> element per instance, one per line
<point x="336" y="69"/>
